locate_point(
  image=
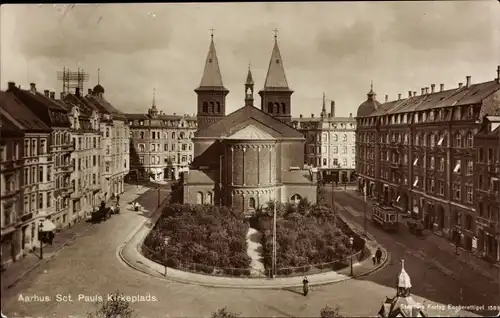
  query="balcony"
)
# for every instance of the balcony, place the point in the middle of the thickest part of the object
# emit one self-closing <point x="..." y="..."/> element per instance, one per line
<point x="395" y="165"/>
<point x="68" y="146"/>
<point x="68" y="167"/>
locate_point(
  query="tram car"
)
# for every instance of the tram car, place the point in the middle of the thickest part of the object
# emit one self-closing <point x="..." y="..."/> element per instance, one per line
<point x="386" y="217"/>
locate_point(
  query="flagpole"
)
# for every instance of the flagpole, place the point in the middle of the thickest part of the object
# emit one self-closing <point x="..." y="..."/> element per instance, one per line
<point x="364" y="210"/>
<point x="274" y="239"/>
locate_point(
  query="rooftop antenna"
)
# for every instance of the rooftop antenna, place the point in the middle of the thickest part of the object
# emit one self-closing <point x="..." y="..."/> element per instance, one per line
<point x="212" y="33"/>
<point x="275" y="34"/>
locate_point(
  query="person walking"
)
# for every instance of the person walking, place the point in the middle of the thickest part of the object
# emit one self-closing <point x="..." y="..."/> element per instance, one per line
<point x="378" y="255"/>
<point x="117" y="199"/>
<point x="305" y="286"/>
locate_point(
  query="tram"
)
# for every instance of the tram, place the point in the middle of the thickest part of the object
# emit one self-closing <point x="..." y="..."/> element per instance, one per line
<point x="386" y="217"/>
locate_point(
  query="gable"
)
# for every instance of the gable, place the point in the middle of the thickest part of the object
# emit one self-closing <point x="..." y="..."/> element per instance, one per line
<point x="245" y="116"/>
<point x="251" y="132"/>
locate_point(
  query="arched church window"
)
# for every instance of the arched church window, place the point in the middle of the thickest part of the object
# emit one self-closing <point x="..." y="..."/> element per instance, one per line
<point x="211" y="109"/>
<point x="199" y="198"/>
<point x="251" y="203"/>
<point x="283" y="108"/>
<point x="205" y="107"/>
<point x="277" y="108"/>
<point x="295" y="199"/>
<point x="270" y="108"/>
<point x="218" y="107"/>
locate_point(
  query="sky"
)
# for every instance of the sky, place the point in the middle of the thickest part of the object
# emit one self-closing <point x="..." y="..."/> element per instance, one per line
<point x="336" y="48"/>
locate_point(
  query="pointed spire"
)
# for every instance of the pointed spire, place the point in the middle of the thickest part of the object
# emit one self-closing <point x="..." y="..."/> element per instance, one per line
<point x="211" y="75"/>
<point x="249" y="76"/>
<point x="323" y="110"/>
<point x="154" y="99"/>
<point x="404" y="280"/>
<point x="276" y="77"/>
<point x="98" y="76"/>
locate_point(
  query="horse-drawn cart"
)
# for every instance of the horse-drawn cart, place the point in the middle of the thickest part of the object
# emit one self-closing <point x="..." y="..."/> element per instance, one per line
<point x="415" y="226"/>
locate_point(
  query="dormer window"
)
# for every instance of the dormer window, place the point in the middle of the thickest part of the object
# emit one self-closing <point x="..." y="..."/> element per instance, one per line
<point x="470" y="114"/>
<point x="458" y="114"/>
<point x="141" y="123"/>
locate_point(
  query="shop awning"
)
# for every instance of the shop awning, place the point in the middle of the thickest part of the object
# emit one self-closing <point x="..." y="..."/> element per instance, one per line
<point x="47" y="226"/>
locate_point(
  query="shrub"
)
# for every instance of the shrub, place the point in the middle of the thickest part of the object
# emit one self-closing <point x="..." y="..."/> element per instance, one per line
<point x="205" y="235"/>
<point x="306" y="234"/>
<point x="223" y="313"/>
<point x="116" y="307"/>
<point x="329" y="312"/>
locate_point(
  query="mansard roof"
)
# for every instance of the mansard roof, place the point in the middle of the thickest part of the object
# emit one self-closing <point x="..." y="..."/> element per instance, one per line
<point x="20" y="113"/>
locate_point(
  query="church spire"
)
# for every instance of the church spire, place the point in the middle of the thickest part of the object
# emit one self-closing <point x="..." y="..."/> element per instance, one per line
<point x="371" y="94"/>
<point x="323" y="110"/>
<point x="249" y="88"/>
<point x="212" y="77"/>
<point x="153" y="111"/>
<point x="276" y="77"/>
<point x="153" y="105"/>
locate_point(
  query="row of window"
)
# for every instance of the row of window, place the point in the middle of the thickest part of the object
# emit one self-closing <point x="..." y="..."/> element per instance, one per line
<point x="157" y="147"/>
<point x="432" y="115"/>
<point x="422" y="139"/>
<point x="31" y="178"/>
<point x="318" y="162"/>
<point x="211" y="107"/>
<point x="31" y="204"/>
<point x="87" y="143"/>
<point x="168" y="123"/>
<point x="324" y="137"/>
<point x="312" y="149"/>
<point x="156" y="159"/>
<point x="274" y="108"/>
<point x="157" y="135"/>
<point x="60" y="138"/>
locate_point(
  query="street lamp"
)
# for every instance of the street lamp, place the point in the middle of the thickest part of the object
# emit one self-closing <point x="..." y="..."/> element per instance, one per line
<point x="40" y="231"/>
<point x="351" y="245"/>
<point x="460" y="236"/>
<point x="165" y="255"/>
<point x="158" y="191"/>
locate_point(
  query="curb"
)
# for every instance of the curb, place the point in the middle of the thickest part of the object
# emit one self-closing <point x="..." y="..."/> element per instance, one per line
<point x="45" y="260"/>
<point x="214" y="285"/>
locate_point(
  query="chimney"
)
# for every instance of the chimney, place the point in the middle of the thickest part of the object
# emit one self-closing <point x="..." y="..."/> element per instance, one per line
<point x="467" y="81"/>
<point x="11" y="85"/>
<point x="399" y="96"/>
<point x="414" y="93"/>
<point x="498" y="74"/>
<point x="386" y="98"/>
<point x="426" y="90"/>
<point x="409" y="94"/>
<point x="301" y="116"/>
<point x="441" y="87"/>
<point x="46" y="93"/>
<point x="423" y="91"/>
<point x="332" y="108"/>
<point x="350" y="115"/>
<point x="89" y="91"/>
<point x="77" y="91"/>
<point x="460" y="85"/>
<point x="33" y="88"/>
<point x="52" y="95"/>
<point x="433" y="87"/>
<point x="175" y="114"/>
<point x="312" y="115"/>
<point x="61" y="95"/>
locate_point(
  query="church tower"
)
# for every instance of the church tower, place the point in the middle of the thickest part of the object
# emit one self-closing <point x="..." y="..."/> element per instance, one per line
<point x="211" y="92"/>
<point x="249" y="88"/>
<point x="276" y="95"/>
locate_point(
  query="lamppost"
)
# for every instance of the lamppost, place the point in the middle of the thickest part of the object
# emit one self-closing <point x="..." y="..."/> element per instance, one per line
<point x="158" y="191"/>
<point x="351" y="245"/>
<point x="165" y="255"/>
<point x="40" y="231"/>
<point x="460" y="236"/>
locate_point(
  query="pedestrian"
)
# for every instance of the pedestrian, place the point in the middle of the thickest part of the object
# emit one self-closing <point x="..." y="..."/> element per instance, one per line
<point x="305" y="286"/>
<point x="117" y="199"/>
<point x="378" y="255"/>
<point x="374" y="259"/>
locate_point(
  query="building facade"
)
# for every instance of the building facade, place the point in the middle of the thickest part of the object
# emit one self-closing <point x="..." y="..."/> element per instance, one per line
<point x="251" y="156"/>
<point x="487" y="188"/>
<point x="161" y="145"/>
<point x="86" y="158"/>
<point x="330" y="143"/>
<point x="418" y="153"/>
<point x="27" y="177"/>
<point x="115" y="162"/>
<point x="60" y="147"/>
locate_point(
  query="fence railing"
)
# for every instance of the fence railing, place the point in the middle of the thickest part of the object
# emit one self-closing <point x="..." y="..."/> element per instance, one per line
<point x="254" y="273"/>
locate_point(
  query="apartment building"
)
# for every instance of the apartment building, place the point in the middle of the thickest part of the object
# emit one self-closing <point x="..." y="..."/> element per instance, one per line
<point x="114" y="165"/>
<point x="418" y="153"/>
<point x="487" y="188"/>
<point x="60" y="147"/>
<point x="161" y="146"/>
<point x="26" y="170"/>
<point x="86" y="158"/>
<point x="330" y="143"/>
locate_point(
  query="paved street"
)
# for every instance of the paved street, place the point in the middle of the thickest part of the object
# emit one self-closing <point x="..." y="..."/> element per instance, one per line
<point x="90" y="266"/>
<point x="436" y="274"/>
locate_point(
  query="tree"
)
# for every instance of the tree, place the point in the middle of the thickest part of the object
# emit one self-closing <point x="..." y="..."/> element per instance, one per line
<point x="329" y="312"/>
<point x="118" y="306"/>
<point x="223" y="313"/>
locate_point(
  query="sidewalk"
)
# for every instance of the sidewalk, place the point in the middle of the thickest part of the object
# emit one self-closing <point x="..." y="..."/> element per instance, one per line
<point x="487" y="269"/>
<point x="130" y="253"/>
<point x="16" y="271"/>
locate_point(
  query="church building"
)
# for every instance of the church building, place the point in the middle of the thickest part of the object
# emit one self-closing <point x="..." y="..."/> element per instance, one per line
<point x="251" y="156"/>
